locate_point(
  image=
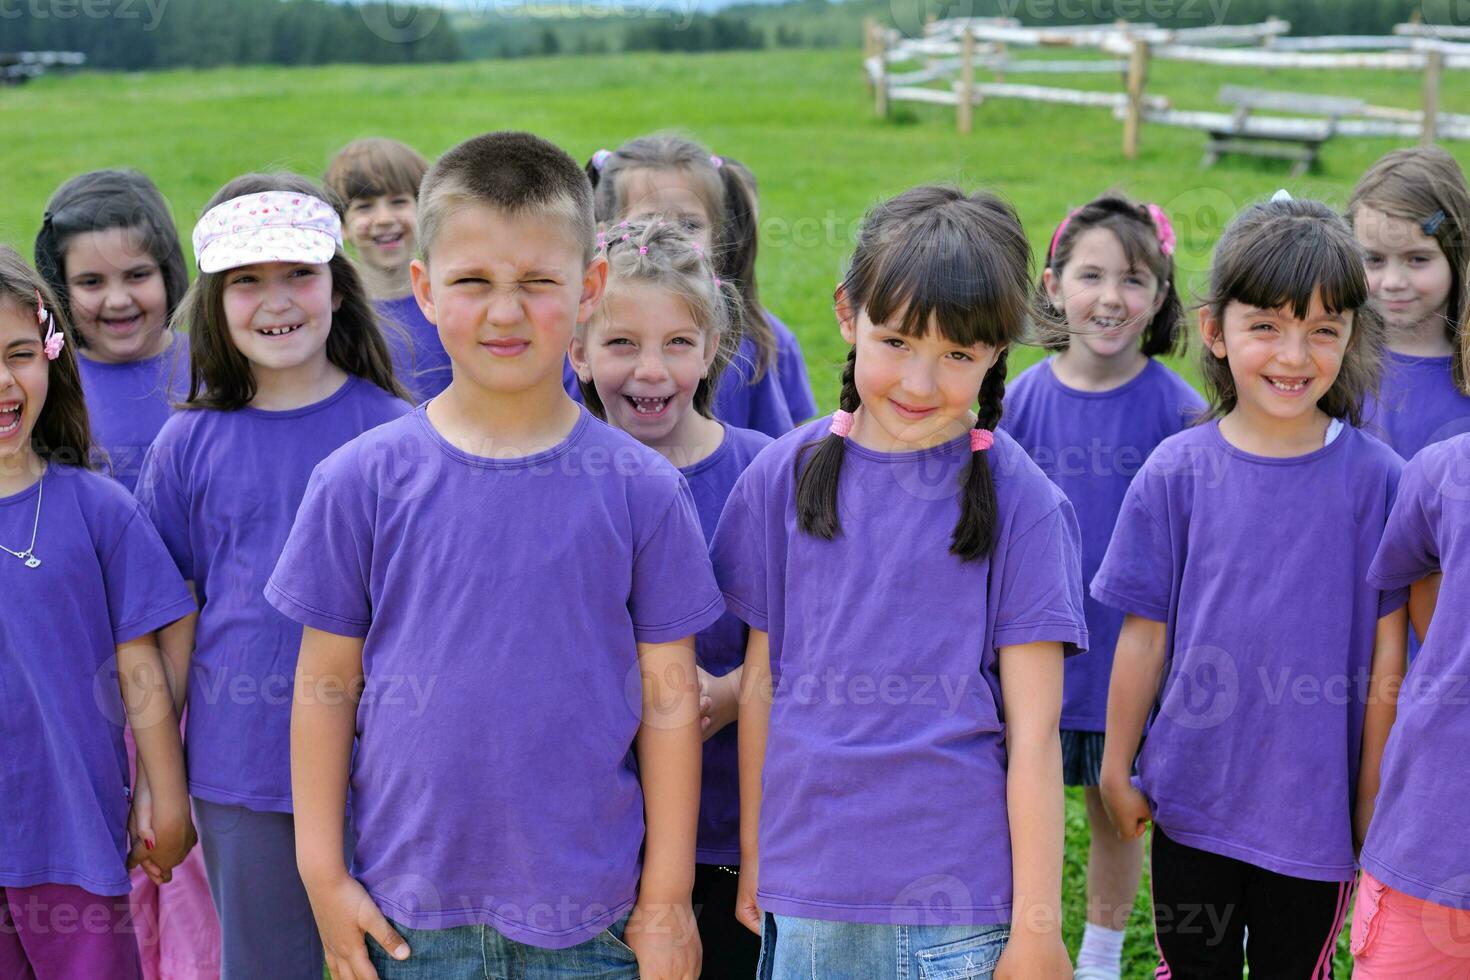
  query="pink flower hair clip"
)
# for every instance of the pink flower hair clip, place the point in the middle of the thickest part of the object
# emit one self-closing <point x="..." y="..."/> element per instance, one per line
<point x="55" y="339"/>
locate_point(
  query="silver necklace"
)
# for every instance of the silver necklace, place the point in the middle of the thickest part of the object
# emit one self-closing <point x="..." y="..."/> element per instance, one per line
<point x="26" y="556"/>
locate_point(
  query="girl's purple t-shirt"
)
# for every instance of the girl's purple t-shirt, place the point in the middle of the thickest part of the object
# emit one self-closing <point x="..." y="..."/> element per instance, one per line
<point x="222" y="488"/>
<point x="796" y="387"/>
<point x="760" y="406"/>
<point x="128" y="404"/>
<point x="419" y="358"/>
<point x="1419" y="842"/>
<point x="1258" y="567"/>
<point x="884" y="795"/>
<point x="1091" y="443"/>
<point x="721" y="648"/>
<point x="1417" y="404"/>
<point x="501" y="602"/>
<point x="104" y="578"/>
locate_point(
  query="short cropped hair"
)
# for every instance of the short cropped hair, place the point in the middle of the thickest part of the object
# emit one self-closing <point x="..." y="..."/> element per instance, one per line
<point x="514" y="173"/>
<point x="375" y="167"/>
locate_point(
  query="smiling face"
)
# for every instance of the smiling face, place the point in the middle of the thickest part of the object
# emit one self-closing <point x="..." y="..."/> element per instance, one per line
<point x="119" y="303"/>
<point x="382" y="229"/>
<point x="1107" y="302"/>
<point x="506" y="292"/>
<point x="1281" y="366"/>
<point x="279" y="313"/>
<point x="1408" y="273"/>
<point x="669" y="194"/>
<point x="24" y="377"/>
<point x="646" y="356"/>
<point x="916" y="392"/>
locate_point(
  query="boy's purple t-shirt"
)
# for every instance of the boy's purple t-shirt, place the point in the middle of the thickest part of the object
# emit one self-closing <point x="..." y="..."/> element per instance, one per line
<point x="720" y="649"/>
<point x="222" y="488"/>
<point x="884" y="794"/>
<point x="419" y="359"/>
<point x="1091" y="443"/>
<point x="1258" y="567"/>
<point x="760" y="406"/>
<point x="128" y="404"/>
<point x="501" y="602"/>
<point x="104" y="578"/>
<point x="1417" y="405"/>
<point x="796" y="387"/>
<point x="1419" y="842"/>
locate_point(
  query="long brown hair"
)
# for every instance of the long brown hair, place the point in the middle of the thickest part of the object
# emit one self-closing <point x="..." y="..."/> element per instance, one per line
<point x="63" y="433"/>
<point x="219" y="375"/>
<point x="962" y="261"/>
<point x="1426" y="186"/>
<point x="1282" y="254"/>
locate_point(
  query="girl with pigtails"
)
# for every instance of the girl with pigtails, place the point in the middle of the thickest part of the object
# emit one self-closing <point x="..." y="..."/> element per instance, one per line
<point x="911" y="581"/>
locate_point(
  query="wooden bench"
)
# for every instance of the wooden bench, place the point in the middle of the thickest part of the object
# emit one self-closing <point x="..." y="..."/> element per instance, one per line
<point x="1295" y="139"/>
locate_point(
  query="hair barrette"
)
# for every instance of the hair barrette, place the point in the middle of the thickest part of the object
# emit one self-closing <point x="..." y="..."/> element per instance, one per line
<point x="599" y="159"/>
<point x="1431" y="224"/>
<point x="1281" y="195"/>
<point x="717" y="161"/>
<point x="55" y="339"/>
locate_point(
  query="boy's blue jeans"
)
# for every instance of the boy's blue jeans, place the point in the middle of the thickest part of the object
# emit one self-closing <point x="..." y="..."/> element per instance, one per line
<point x="816" y="949"/>
<point x="481" y="953"/>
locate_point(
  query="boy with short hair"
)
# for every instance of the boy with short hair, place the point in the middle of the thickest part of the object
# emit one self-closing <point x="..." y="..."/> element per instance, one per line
<point x="508" y="590"/>
<point x="377" y="183"/>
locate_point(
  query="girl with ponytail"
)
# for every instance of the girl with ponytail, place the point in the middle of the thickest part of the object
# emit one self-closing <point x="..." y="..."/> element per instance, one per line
<point x="900" y="564"/>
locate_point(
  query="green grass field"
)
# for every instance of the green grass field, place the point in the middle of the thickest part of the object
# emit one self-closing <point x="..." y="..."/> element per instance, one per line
<point x="800" y="119"/>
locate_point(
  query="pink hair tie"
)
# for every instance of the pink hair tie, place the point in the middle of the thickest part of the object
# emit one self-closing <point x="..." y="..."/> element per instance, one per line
<point x="717" y="161"/>
<point x="841" y="423"/>
<point x="642" y="249"/>
<point x="981" y="440"/>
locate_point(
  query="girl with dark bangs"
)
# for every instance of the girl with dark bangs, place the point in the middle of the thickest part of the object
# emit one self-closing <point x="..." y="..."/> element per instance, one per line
<point x="286" y="365"/>
<point x="1254" y="648"/>
<point x="902" y="566"/>
<point x="1089" y="416"/>
<point x="1411" y="213"/>
<point x="92" y="585"/>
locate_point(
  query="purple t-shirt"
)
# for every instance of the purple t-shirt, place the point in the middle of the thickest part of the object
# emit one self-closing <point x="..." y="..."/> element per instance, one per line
<point x="104" y="578"/>
<point x="760" y="406"/>
<point x="796" y="387"/>
<point x="501" y="602"/>
<point x="128" y="404"/>
<point x="1418" y="403"/>
<point x="1420" y="839"/>
<point x="419" y="358"/>
<point x="1091" y="443"/>
<point x="721" y="648"/>
<point x="1258" y="567"/>
<point x="222" y="488"/>
<point x="885" y="774"/>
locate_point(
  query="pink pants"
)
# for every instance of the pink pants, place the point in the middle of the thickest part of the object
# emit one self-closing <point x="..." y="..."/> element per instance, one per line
<point x="177" y="929"/>
<point x="1398" y="937"/>
<point x="62" y="932"/>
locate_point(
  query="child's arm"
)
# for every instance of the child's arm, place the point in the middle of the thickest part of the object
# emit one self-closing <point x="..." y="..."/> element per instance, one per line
<point x="1031" y="677"/>
<point x="1390" y="661"/>
<point x="323" y="719"/>
<point x="755" y="725"/>
<point x="662" y="929"/>
<point x="176" y="643"/>
<point x="1423" y="597"/>
<point x="1138" y="667"/>
<point x="168" y="830"/>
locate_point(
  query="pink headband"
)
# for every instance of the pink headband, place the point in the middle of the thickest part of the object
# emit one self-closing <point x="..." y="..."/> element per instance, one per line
<point x="980" y="439"/>
<point x="55" y="339"/>
<point x="1162" y="228"/>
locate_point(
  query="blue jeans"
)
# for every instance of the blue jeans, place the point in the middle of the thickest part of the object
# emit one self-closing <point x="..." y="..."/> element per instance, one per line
<point x="481" y="953"/>
<point x="816" y="949"/>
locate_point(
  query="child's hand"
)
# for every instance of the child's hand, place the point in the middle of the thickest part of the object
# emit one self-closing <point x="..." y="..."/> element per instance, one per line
<point x="747" y="912"/>
<point x="140" y="831"/>
<point x="1127" y="808"/>
<point x="665" y="938"/>
<point x="1031" y="956"/>
<point x="161" y="833"/>
<point x="719" y="700"/>
<point x="345" y="916"/>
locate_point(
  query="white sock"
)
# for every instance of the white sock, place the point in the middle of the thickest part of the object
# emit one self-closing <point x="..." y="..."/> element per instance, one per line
<point x="1101" y="954"/>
